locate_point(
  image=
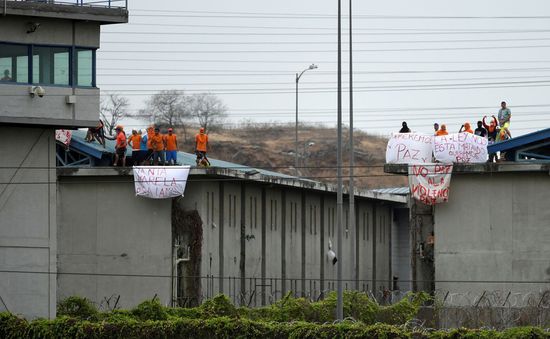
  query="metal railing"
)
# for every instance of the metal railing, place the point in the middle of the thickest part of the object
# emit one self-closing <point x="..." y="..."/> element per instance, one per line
<point x="123" y="4"/>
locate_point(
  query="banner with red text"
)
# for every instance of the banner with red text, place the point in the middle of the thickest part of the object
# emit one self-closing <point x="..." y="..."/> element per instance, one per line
<point x="430" y="183"/>
<point x="64" y="136"/>
<point x="160" y="182"/>
<point x="409" y="148"/>
<point x="460" y="148"/>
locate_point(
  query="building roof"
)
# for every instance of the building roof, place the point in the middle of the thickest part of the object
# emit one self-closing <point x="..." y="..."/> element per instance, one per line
<point x="393" y="190"/>
<point x="529" y="147"/>
<point x="218" y="168"/>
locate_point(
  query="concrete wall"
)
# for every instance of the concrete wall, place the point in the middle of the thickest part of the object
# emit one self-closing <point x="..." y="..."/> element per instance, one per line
<point x="401" y="249"/>
<point x="111" y="242"/>
<point x="280" y="242"/>
<point x="16" y="105"/>
<point x="28" y="221"/>
<point x="494" y="228"/>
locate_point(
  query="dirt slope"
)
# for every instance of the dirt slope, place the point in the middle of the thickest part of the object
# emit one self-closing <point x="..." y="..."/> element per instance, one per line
<point x="273" y="147"/>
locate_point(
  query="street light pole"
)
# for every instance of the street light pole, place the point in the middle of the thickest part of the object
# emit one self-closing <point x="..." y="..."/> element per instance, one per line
<point x="352" y="220"/>
<point x="298" y="76"/>
<point x="339" y="193"/>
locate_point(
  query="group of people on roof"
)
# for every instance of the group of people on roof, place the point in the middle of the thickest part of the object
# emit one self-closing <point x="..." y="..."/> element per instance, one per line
<point x="497" y="130"/>
<point x="149" y="146"/>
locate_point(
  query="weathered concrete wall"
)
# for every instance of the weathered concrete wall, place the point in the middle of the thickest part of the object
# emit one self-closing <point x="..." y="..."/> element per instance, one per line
<point x="401" y="249"/>
<point x="494" y="228"/>
<point x="17" y="106"/>
<point x="111" y="242"/>
<point x="28" y="221"/>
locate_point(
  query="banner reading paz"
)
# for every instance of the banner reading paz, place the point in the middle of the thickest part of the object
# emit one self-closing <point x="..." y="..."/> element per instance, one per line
<point x="430" y="183"/>
<point x="160" y="182"/>
<point x="409" y="148"/>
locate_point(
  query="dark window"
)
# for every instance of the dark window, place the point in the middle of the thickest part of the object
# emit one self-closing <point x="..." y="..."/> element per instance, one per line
<point x="84" y="67"/>
<point x="51" y="65"/>
<point x="14" y="63"/>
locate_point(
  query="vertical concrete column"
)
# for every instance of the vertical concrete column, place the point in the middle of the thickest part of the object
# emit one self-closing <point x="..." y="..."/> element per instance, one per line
<point x="357" y="254"/>
<point x="303" y="241"/>
<point x="323" y="247"/>
<point x="263" y="226"/>
<point x="242" y="262"/>
<point x="283" y="242"/>
<point x="220" y="232"/>
<point x="374" y="226"/>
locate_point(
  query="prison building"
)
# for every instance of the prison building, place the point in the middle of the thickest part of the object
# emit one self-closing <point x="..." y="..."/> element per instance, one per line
<point x="252" y="234"/>
<point x="47" y="81"/>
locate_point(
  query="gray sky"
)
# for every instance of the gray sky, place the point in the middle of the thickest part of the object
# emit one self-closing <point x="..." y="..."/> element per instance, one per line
<point x="413" y="60"/>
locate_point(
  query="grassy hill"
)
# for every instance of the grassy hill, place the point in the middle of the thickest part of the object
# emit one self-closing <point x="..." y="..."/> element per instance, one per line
<point x="266" y="146"/>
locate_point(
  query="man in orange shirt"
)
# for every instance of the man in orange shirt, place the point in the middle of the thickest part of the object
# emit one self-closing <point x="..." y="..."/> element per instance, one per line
<point x="171" y="147"/>
<point x="135" y="140"/>
<point x="466" y="128"/>
<point x="120" y="146"/>
<point x="157" y="142"/>
<point x="442" y="131"/>
<point x="201" y="146"/>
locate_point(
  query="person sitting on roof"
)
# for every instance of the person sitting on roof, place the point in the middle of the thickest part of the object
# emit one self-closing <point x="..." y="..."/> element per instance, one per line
<point x="157" y="142"/>
<point x="96" y="133"/>
<point x="120" y="146"/>
<point x="466" y="128"/>
<point x="201" y="147"/>
<point x="171" y="147"/>
<point x="135" y="141"/>
<point x="492" y="133"/>
<point x="442" y="131"/>
<point x="404" y="128"/>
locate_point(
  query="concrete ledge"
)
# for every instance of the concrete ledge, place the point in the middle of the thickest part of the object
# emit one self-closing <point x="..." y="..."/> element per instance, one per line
<point x="41" y="122"/>
<point x="217" y="172"/>
<point x="46" y="10"/>
<point x="499" y="167"/>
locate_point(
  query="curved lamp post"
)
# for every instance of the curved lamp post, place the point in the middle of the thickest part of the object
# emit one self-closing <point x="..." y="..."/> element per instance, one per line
<point x="298" y="76"/>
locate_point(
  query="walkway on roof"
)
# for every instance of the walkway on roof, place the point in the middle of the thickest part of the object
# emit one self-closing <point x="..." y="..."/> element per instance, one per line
<point x="532" y="147"/>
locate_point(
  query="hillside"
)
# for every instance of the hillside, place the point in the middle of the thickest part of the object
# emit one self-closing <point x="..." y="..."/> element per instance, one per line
<point x="273" y="147"/>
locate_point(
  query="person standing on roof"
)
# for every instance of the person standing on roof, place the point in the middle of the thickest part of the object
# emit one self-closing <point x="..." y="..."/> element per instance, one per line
<point x="492" y="133"/>
<point x="404" y="128"/>
<point x="120" y="146"/>
<point x="135" y="141"/>
<point x="442" y="131"/>
<point x="504" y="116"/>
<point x="201" y="145"/>
<point x="157" y="142"/>
<point x="143" y="147"/>
<point x="480" y="130"/>
<point x="149" y="154"/>
<point x="171" y="147"/>
<point x="436" y="128"/>
<point x="466" y="128"/>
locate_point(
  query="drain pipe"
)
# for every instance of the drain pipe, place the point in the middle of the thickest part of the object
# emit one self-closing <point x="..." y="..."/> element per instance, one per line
<point x="5" y="7"/>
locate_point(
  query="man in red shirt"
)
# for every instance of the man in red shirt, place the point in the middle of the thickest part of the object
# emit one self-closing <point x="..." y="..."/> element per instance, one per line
<point x="201" y="147"/>
<point x="171" y="147"/>
<point x="120" y="147"/>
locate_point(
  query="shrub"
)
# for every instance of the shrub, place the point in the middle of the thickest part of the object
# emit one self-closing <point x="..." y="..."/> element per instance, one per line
<point x="77" y="307"/>
<point x="219" y="306"/>
<point x="150" y="310"/>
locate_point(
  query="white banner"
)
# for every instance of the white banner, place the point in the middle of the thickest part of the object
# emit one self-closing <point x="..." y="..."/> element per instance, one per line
<point x="409" y="148"/>
<point x="160" y="182"/>
<point x="64" y="136"/>
<point x="430" y="183"/>
<point x="460" y="148"/>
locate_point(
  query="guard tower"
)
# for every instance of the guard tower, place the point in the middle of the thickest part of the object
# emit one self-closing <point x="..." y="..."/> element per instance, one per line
<point x="47" y="81"/>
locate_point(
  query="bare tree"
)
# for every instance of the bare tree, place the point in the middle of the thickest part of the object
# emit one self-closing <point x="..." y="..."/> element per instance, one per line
<point x="113" y="108"/>
<point x="208" y="109"/>
<point x="169" y="107"/>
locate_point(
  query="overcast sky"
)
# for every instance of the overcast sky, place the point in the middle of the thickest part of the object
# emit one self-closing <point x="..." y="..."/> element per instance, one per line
<point x="419" y="61"/>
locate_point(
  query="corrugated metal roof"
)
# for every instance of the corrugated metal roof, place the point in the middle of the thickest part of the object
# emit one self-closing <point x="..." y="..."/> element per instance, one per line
<point x="520" y="142"/>
<point x="393" y="190"/>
